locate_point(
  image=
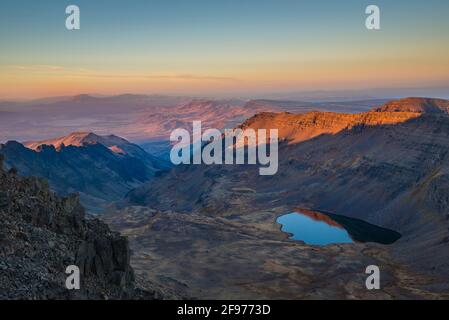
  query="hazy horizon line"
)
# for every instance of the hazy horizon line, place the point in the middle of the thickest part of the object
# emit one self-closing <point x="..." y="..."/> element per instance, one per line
<point x="365" y="93"/>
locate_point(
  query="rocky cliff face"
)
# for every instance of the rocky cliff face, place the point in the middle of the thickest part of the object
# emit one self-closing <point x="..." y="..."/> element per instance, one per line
<point x="295" y="128"/>
<point x="41" y="234"/>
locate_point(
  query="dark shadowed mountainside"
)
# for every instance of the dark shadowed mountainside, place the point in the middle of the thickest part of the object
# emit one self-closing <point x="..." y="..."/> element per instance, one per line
<point x="101" y="168"/>
<point x="42" y="234"/>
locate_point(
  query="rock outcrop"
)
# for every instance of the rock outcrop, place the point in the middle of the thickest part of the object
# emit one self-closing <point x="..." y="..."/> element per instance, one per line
<point x="42" y="234"/>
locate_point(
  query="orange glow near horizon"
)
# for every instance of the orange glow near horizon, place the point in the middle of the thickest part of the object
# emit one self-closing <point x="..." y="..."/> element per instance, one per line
<point x="213" y="48"/>
<point x="32" y="81"/>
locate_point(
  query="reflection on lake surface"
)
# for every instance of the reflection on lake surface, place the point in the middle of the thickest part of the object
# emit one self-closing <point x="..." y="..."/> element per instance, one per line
<point x="319" y="228"/>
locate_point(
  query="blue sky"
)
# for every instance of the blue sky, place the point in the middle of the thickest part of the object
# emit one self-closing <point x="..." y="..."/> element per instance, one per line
<point x="213" y="46"/>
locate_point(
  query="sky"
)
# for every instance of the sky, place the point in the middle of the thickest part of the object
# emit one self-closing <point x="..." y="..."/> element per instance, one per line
<point x="212" y="47"/>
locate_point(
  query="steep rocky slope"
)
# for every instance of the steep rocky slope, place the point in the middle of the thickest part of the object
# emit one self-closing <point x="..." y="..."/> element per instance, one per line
<point x="390" y="168"/>
<point x="41" y="234"/>
<point x="101" y="168"/>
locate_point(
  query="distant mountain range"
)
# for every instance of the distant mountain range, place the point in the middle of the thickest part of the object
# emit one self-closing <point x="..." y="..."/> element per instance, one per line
<point x="142" y="119"/>
<point x="101" y="168"/>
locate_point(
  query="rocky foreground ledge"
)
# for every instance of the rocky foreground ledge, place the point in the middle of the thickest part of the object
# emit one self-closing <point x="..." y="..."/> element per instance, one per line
<point x="41" y="234"/>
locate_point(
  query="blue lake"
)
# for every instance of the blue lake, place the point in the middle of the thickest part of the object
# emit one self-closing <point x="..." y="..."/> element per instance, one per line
<point x="318" y="228"/>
